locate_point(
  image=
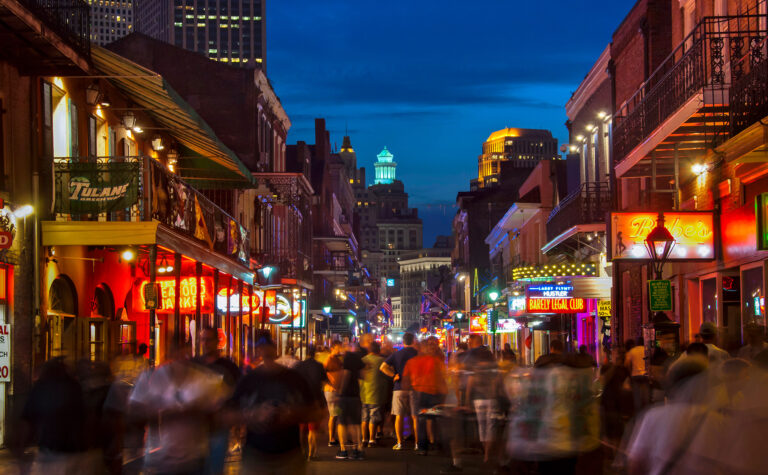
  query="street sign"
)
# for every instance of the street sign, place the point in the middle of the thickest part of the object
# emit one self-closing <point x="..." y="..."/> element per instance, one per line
<point x="660" y="294"/>
<point x="604" y="308"/>
<point x="5" y="352"/>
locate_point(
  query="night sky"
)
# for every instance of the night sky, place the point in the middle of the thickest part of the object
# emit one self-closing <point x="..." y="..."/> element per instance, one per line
<point x="432" y="79"/>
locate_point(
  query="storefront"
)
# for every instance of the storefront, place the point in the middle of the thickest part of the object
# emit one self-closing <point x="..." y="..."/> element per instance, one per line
<point x="113" y="238"/>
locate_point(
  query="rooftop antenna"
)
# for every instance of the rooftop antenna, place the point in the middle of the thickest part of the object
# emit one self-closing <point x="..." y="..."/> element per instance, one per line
<point x="346" y="128"/>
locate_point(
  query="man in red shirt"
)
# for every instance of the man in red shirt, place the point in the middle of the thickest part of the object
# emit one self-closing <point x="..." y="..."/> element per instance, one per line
<point x="425" y="376"/>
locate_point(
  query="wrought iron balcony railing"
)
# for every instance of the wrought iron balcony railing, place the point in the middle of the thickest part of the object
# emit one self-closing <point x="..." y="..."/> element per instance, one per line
<point x="749" y="91"/>
<point x="587" y="205"/>
<point x="70" y="19"/>
<point x="705" y="59"/>
<point x="138" y="188"/>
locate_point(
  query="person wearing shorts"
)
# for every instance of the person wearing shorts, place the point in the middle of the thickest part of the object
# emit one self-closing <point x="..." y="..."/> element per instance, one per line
<point x="333" y="371"/>
<point x="401" y="399"/>
<point x="349" y="406"/>
<point x="373" y="391"/>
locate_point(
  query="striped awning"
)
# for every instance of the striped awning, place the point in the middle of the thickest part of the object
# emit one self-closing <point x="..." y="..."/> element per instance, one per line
<point x="150" y="91"/>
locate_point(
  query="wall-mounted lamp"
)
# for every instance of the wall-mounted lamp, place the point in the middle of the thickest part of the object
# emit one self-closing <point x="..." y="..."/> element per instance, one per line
<point x="104" y="100"/>
<point x="129" y="120"/>
<point x="601" y="115"/>
<point x="698" y="168"/>
<point x="173" y="159"/>
<point x="92" y="93"/>
<point x="579" y="138"/>
<point x="157" y="143"/>
<point x="23" y="211"/>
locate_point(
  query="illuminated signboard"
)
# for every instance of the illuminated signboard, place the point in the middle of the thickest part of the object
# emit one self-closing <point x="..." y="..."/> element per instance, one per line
<point x="557" y="305"/>
<point x="604" y="309"/>
<point x="478" y="324"/>
<point x="507" y="325"/>
<point x="549" y="291"/>
<point x="693" y="232"/>
<point x="761" y="216"/>
<point x="187" y="299"/>
<point x="516" y="305"/>
<point x="278" y="306"/>
<point x="390" y="282"/>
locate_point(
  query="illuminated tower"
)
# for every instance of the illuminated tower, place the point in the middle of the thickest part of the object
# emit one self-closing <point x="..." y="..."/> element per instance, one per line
<point x="385" y="168"/>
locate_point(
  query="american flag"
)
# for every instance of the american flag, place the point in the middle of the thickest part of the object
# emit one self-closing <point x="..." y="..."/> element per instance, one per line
<point x="386" y="307"/>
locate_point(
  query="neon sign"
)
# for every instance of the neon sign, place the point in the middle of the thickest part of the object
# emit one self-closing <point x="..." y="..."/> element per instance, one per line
<point x="507" y="325"/>
<point x="478" y="324"/>
<point x="693" y="232"/>
<point x="516" y="305"/>
<point x="557" y="305"/>
<point x="187" y="299"/>
<point x="549" y="291"/>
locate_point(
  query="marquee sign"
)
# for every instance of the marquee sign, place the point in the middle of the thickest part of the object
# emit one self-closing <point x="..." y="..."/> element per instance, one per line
<point x="557" y="305"/>
<point x="693" y="232"/>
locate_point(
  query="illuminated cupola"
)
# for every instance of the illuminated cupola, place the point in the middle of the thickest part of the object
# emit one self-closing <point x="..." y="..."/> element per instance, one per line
<point x="385" y="168"/>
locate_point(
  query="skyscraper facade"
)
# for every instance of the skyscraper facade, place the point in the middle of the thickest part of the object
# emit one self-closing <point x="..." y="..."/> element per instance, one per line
<point x="111" y="20"/>
<point x="524" y="148"/>
<point x="229" y="31"/>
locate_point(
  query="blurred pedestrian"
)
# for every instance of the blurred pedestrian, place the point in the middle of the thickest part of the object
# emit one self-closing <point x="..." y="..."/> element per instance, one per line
<point x="212" y="359"/>
<point x="708" y="332"/>
<point x="401" y="398"/>
<point x="175" y="400"/>
<point x="482" y="390"/>
<point x="638" y="375"/>
<point x="755" y="342"/>
<point x="334" y="372"/>
<point x="272" y="401"/>
<point x="315" y="376"/>
<point x="350" y="407"/>
<point x="54" y="420"/>
<point x="425" y="375"/>
<point x="288" y="359"/>
<point x="373" y="393"/>
<point x="554" y="357"/>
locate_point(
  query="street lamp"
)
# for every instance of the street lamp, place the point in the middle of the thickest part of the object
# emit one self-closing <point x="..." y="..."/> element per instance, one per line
<point x="659" y="243"/>
<point x="327" y="309"/>
<point x="493" y="295"/>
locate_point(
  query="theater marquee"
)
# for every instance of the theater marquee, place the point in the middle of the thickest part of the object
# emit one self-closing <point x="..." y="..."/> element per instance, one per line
<point x="693" y="232"/>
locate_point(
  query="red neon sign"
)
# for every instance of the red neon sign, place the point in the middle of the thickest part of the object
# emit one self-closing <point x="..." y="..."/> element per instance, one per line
<point x="187" y="299"/>
<point x="557" y="305"/>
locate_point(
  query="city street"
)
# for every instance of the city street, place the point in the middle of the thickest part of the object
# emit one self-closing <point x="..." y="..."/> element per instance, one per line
<point x="540" y="229"/>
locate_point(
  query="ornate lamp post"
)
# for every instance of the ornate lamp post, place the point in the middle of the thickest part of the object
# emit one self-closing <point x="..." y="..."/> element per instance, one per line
<point x="493" y="295"/>
<point x="659" y="243"/>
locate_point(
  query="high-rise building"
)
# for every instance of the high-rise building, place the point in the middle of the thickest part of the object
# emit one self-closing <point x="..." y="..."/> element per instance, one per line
<point x="387" y="227"/>
<point x="111" y="20"/>
<point x="520" y="148"/>
<point x="230" y="31"/>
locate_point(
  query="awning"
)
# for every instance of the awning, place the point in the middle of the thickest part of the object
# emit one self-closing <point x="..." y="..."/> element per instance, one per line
<point x="569" y="233"/>
<point x="99" y="233"/>
<point x="150" y="91"/>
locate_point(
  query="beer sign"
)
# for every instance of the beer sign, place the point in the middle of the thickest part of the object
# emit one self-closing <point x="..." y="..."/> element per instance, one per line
<point x="693" y="232"/>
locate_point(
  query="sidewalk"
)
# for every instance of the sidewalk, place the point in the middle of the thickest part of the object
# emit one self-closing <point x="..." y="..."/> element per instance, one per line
<point x="8" y="463"/>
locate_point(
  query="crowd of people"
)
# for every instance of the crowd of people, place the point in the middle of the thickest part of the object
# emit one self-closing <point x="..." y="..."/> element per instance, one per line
<point x="699" y="410"/>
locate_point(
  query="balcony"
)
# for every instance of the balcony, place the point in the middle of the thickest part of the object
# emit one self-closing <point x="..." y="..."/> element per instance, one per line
<point x="685" y="100"/>
<point x="46" y="37"/>
<point x="587" y="205"/>
<point x="138" y="188"/>
<point x="749" y="91"/>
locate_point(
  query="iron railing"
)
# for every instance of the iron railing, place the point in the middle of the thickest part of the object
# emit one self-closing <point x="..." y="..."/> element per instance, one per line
<point x="70" y="19"/>
<point x="703" y="60"/>
<point x="749" y="92"/>
<point x="587" y="205"/>
<point x="138" y="188"/>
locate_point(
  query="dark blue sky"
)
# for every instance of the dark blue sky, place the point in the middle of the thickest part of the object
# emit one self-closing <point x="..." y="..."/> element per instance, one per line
<point x="432" y="79"/>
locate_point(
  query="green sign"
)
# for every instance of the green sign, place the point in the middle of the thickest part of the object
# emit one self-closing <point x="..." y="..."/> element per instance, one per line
<point x="660" y="295"/>
<point x="90" y="187"/>
<point x="761" y="218"/>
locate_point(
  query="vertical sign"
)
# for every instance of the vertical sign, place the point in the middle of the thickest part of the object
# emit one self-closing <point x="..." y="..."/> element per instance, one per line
<point x="761" y="216"/>
<point x="5" y="352"/>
